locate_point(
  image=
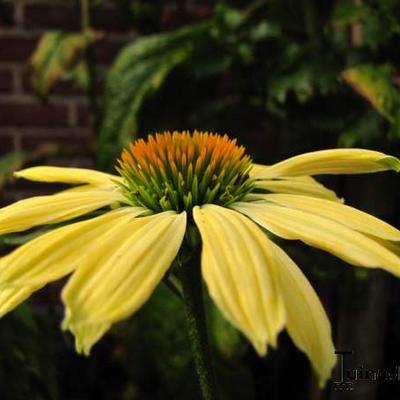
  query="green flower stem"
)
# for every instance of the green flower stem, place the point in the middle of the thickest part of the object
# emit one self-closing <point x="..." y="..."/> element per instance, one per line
<point x="190" y="276"/>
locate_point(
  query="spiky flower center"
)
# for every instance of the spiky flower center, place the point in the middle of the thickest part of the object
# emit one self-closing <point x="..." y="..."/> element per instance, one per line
<point x="180" y="170"/>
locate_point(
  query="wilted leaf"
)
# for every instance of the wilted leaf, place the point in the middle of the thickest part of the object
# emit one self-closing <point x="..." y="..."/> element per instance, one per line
<point x="59" y="56"/>
<point x="374" y="83"/>
<point x="10" y="163"/>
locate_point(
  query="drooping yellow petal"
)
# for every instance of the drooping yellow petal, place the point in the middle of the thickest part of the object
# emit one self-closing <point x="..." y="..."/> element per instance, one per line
<point x="345" y="243"/>
<point x="86" y="334"/>
<point x="240" y="273"/>
<point x="346" y="215"/>
<point x="12" y="297"/>
<point x="301" y="185"/>
<point x="306" y="320"/>
<point x="120" y="275"/>
<point x="63" y="206"/>
<point x="57" y="253"/>
<point x="66" y="175"/>
<point x="336" y="161"/>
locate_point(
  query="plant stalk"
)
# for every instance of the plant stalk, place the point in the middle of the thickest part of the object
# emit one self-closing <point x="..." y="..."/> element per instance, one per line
<point x="190" y="275"/>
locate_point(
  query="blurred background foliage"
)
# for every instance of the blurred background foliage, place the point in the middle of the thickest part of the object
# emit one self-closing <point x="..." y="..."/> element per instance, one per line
<point x="282" y="76"/>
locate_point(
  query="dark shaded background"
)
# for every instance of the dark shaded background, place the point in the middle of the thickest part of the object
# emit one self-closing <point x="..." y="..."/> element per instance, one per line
<point x="272" y="74"/>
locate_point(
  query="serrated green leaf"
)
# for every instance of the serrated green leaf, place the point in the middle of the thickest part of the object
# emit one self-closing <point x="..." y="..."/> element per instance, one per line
<point x="56" y="57"/>
<point x="139" y="71"/>
<point x="374" y="83"/>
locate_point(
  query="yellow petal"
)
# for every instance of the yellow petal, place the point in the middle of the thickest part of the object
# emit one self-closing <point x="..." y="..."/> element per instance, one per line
<point x="86" y="335"/>
<point x="345" y="243"/>
<point x="240" y="273"/>
<point x="394" y="247"/>
<point x="89" y="187"/>
<point x="120" y="274"/>
<point x="349" y="216"/>
<point x="256" y="169"/>
<point x="302" y="185"/>
<point x="335" y="161"/>
<point x="12" y="297"/>
<point x="66" y="175"/>
<point x="57" y="253"/>
<point x="306" y="320"/>
<point x="63" y="206"/>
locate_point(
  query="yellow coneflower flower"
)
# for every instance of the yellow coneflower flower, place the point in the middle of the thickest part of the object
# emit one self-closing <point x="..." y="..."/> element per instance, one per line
<point x="167" y="186"/>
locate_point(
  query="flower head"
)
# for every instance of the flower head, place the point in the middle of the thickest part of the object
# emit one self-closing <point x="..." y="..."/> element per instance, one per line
<point x="169" y="184"/>
<point x="179" y="171"/>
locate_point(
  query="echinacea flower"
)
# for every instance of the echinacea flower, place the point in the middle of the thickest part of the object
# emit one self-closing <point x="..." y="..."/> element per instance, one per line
<point x="170" y="186"/>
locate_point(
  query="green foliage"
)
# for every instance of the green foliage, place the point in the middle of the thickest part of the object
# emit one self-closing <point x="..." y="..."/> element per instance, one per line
<point x="347" y="12"/>
<point x="363" y="131"/>
<point x="377" y="18"/>
<point x="27" y="357"/>
<point x="60" y="56"/>
<point x="139" y="71"/>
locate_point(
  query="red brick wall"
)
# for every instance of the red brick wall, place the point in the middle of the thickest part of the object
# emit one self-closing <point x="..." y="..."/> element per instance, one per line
<point x="24" y="120"/>
<point x="27" y="123"/>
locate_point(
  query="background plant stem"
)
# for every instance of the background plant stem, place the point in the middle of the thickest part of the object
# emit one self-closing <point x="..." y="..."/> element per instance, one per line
<point x="91" y="65"/>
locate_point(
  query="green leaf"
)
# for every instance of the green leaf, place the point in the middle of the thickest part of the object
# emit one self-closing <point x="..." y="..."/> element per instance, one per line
<point x="139" y="71"/>
<point x="59" y="56"/>
<point x="363" y="131"/>
<point x="303" y="73"/>
<point x="347" y="12"/>
<point x="374" y="83"/>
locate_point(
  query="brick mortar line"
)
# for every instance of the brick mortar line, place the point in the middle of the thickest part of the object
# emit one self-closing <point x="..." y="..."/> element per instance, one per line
<point x="17" y="78"/>
<point x="54" y="99"/>
<point x="58" y="131"/>
<point x="21" y="33"/>
<point x="22" y="65"/>
<point x="19" y="13"/>
<point x="105" y="3"/>
<point x="72" y="117"/>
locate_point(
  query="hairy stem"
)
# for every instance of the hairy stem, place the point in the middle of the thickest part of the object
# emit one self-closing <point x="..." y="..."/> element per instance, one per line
<point x="190" y="276"/>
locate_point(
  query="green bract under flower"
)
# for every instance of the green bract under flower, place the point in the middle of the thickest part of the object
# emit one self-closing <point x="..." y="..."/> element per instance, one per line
<point x="181" y="170"/>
